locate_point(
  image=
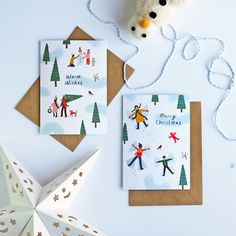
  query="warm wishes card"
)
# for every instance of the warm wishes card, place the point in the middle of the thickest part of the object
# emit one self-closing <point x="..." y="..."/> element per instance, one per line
<point x="73" y="83"/>
<point x="156" y="142"/>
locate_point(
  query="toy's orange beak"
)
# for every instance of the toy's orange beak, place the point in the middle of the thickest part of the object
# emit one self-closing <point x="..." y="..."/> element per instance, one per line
<point x="144" y="23"/>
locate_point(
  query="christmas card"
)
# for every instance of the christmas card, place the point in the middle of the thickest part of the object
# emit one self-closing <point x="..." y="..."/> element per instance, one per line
<point x="156" y="142"/>
<point x="73" y="87"/>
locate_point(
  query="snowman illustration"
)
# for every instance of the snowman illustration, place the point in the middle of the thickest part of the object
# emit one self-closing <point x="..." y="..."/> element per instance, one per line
<point x="80" y="57"/>
<point x="94" y="62"/>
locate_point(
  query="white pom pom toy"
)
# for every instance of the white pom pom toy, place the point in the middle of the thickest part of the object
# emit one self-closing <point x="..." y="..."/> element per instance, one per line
<point x="150" y="14"/>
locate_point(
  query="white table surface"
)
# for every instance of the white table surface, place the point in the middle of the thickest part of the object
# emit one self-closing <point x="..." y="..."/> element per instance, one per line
<point x="102" y="201"/>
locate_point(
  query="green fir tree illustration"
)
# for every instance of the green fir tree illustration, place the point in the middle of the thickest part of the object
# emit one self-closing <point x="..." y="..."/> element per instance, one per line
<point x="46" y="56"/>
<point x="72" y="97"/>
<point x="96" y="118"/>
<point x="155" y="99"/>
<point x="55" y="77"/>
<point x="183" y="179"/>
<point x="181" y="103"/>
<point x="66" y="43"/>
<point x="82" y="129"/>
<point x="125" y="133"/>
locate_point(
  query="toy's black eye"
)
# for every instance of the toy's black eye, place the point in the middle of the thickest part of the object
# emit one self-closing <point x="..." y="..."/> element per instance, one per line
<point x="162" y="2"/>
<point x="133" y="28"/>
<point x="153" y="14"/>
<point x="144" y="35"/>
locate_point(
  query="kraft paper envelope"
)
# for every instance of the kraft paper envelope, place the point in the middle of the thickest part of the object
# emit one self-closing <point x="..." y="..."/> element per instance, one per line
<point x="30" y="103"/>
<point x="179" y="197"/>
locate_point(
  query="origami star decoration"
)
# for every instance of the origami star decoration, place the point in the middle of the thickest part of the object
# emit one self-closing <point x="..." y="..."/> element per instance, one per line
<point x="34" y="210"/>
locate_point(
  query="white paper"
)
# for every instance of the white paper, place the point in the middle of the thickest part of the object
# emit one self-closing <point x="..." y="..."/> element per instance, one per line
<point x="33" y="209"/>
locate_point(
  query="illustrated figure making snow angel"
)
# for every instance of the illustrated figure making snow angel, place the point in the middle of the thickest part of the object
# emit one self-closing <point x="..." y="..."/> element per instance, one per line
<point x="55" y="107"/>
<point x="64" y="105"/>
<point x="138" y="155"/>
<point x="165" y="161"/>
<point x="138" y="115"/>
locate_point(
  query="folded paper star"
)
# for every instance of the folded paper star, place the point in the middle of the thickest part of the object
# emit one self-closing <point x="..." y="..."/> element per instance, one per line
<point x="41" y="211"/>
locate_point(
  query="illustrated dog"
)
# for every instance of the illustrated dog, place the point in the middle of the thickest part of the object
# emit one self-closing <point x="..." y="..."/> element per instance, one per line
<point x="73" y="113"/>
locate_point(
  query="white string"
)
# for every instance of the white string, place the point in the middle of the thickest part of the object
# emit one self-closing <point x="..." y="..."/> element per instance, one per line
<point x="191" y="40"/>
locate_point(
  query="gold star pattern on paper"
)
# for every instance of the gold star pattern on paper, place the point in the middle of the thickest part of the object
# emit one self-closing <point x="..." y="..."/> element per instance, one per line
<point x="30" y="190"/>
<point x="30" y="195"/>
<point x="49" y="191"/>
<point x="75" y="182"/>
<point x="13" y="222"/>
<point x="21" y="194"/>
<point x="56" y="197"/>
<point x="56" y="225"/>
<point x="85" y="226"/>
<point x="60" y="216"/>
<point x="13" y="190"/>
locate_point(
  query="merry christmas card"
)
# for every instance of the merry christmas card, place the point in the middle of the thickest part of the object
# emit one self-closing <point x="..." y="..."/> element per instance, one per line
<point x="156" y="142"/>
<point x="73" y="87"/>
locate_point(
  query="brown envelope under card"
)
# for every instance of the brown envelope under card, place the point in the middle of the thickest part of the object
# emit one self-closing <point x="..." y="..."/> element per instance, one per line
<point x="30" y="103"/>
<point x="179" y="197"/>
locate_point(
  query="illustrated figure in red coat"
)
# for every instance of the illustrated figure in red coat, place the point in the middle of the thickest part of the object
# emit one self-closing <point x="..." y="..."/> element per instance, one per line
<point x="138" y="155"/>
<point x="64" y="105"/>
<point x="173" y="136"/>
<point x="87" y="57"/>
